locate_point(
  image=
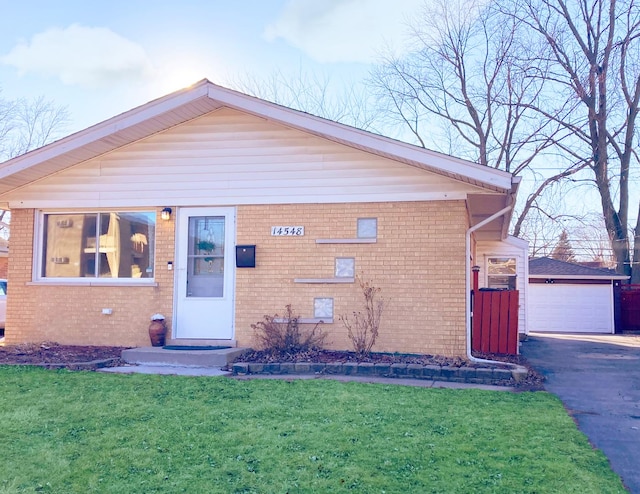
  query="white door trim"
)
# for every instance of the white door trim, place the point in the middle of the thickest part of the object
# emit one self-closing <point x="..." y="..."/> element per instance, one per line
<point x="211" y="318"/>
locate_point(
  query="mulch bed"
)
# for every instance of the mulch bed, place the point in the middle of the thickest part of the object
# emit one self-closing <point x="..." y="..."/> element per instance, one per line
<point x="53" y="354"/>
<point x="533" y="381"/>
<point x="49" y="354"/>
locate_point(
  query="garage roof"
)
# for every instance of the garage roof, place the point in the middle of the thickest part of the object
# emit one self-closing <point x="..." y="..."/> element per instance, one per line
<point x="545" y="267"/>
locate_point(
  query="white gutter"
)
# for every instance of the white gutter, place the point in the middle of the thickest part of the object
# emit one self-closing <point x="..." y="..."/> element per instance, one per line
<point x="578" y="277"/>
<point x="467" y="278"/>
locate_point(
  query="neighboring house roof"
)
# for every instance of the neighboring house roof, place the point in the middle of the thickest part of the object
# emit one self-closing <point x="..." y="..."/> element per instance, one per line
<point x="545" y="267"/>
<point x="496" y="188"/>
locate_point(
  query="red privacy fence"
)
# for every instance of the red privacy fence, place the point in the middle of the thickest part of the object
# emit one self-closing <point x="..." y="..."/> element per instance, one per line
<point x="630" y="307"/>
<point x="495" y="322"/>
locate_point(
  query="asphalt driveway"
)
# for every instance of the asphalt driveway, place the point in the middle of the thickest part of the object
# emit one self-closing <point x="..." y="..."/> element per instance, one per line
<point x="597" y="377"/>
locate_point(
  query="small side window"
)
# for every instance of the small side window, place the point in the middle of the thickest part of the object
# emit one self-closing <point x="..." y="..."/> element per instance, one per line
<point x="501" y="273"/>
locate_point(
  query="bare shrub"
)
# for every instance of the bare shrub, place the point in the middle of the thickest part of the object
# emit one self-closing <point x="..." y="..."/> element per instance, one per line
<point x="363" y="326"/>
<point x="283" y="334"/>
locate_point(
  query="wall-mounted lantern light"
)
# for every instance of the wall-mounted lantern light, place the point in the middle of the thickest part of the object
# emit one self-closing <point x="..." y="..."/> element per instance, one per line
<point x="166" y="214"/>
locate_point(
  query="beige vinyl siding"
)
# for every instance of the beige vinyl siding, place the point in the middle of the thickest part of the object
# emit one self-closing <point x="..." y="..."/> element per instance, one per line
<point x="229" y="158"/>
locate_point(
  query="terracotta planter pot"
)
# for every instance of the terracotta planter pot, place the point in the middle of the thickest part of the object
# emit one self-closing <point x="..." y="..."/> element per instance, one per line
<point x="157" y="333"/>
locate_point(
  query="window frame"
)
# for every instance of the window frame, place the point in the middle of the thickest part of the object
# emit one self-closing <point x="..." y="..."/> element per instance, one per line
<point x="490" y="275"/>
<point x="38" y="277"/>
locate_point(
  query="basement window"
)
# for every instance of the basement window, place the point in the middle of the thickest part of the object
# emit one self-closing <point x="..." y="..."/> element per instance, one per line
<point x="103" y="245"/>
<point x="501" y="273"/>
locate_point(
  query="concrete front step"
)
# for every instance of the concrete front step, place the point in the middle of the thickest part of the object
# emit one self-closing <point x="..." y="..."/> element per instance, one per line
<point x="183" y="358"/>
<point x="199" y="342"/>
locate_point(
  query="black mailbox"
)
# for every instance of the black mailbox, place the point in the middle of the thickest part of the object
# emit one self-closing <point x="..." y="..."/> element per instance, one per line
<point x="245" y="256"/>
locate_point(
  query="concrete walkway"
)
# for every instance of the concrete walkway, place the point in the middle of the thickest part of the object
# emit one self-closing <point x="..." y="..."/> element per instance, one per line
<point x="597" y="377"/>
<point x="168" y="370"/>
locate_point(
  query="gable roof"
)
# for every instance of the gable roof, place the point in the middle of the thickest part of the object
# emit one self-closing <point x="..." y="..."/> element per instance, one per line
<point x="545" y="267"/>
<point x="204" y="97"/>
<point x="496" y="188"/>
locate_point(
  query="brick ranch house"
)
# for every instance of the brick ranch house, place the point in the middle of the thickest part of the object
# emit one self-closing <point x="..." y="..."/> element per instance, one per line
<point x="264" y="206"/>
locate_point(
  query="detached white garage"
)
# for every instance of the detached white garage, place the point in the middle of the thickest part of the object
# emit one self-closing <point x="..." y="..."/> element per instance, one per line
<point x="570" y="298"/>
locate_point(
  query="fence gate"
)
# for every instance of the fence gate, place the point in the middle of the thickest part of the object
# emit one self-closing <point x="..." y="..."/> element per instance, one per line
<point x="495" y="322"/>
<point x="630" y="307"/>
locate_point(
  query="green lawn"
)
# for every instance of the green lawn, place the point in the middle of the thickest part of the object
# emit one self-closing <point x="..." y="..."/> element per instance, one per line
<point x="81" y="432"/>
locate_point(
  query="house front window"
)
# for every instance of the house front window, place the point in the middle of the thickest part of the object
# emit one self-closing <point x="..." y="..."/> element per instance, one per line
<point x="104" y="245"/>
<point x="501" y="273"/>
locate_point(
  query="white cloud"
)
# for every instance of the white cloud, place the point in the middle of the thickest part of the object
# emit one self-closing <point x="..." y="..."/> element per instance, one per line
<point x="344" y="30"/>
<point x="78" y="55"/>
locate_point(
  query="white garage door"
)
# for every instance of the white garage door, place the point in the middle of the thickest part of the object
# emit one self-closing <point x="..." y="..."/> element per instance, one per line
<point x="570" y="308"/>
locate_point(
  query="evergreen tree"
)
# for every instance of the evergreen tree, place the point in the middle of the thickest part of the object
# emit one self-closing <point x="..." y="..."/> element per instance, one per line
<point x="563" y="251"/>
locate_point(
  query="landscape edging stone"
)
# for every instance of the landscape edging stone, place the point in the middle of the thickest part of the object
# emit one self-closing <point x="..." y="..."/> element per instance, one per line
<point x="479" y="375"/>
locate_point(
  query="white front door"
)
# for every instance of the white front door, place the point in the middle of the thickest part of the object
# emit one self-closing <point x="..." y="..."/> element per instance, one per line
<point x="205" y="257"/>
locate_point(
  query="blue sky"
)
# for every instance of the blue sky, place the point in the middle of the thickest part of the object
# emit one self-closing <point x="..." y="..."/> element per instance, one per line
<point x="101" y="58"/>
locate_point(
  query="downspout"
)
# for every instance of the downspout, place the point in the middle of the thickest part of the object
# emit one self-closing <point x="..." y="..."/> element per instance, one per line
<point x="467" y="278"/>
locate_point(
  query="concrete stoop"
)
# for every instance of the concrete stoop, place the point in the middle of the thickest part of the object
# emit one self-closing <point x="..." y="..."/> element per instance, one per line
<point x="159" y="356"/>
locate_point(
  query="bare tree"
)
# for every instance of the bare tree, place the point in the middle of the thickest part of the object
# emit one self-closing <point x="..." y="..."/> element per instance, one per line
<point x="26" y="125"/>
<point x="591" y="242"/>
<point x="464" y="75"/>
<point x="37" y="122"/>
<point x="521" y="83"/>
<point x="592" y="52"/>
<point x="546" y="219"/>
<point x="311" y="93"/>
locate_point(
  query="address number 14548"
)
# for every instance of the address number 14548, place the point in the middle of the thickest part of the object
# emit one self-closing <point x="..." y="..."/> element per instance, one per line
<point x="281" y="231"/>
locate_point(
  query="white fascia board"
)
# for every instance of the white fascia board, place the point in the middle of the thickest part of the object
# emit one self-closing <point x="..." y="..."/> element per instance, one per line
<point x="98" y="131"/>
<point x="511" y="201"/>
<point x="517" y="242"/>
<point x="373" y="142"/>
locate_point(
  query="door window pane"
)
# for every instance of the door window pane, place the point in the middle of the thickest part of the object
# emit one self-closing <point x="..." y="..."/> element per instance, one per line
<point x="205" y="273"/>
